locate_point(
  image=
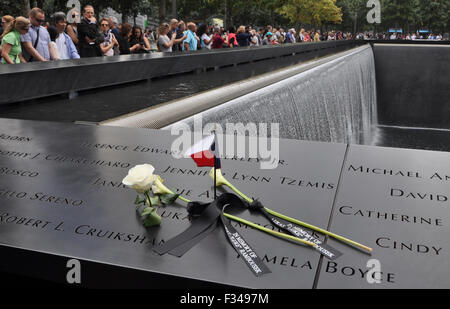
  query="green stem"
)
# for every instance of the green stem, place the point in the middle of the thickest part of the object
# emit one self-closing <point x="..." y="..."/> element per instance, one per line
<point x="245" y="197"/>
<point x="147" y="199"/>
<point x="312" y="227"/>
<point x="278" y="234"/>
<point x="318" y="229"/>
<point x="184" y="199"/>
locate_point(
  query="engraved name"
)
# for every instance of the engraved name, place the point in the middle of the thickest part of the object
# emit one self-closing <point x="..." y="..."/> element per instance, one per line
<point x="15" y="138"/>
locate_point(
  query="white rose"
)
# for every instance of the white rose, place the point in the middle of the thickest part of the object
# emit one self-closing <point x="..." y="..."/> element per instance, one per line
<point x="140" y="178"/>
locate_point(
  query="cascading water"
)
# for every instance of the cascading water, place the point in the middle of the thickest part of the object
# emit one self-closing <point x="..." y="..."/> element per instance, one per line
<point x="333" y="102"/>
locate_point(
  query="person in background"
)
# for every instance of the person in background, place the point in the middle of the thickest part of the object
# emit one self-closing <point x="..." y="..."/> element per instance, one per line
<point x="124" y="37"/>
<point x="231" y="38"/>
<point x="243" y="38"/>
<point x="268" y="39"/>
<point x="177" y="28"/>
<point x="260" y="35"/>
<point x="254" y="40"/>
<point x="36" y="42"/>
<point x="64" y="43"/>
<point x="72" y="29"/>
<point x="301" y="36"/>
<point x="6" y="21"/>
<point x="89" y="35"/>
<point x="109" y="38"/>
<point x="113" y="25"/>
<point x="332" y="36"/>
<point x="165" y="43"/>
<point x="151" y="37"/>
<point x="55" y="53"/>
<point x="11" y="45"/>
<point x="191" y="42"/>
<point x="290" y="36"/>
<point x="138" y="42"/>
<point x="205" y="39"/>
<point x="307" y="37"/>
<point x="317" y="36"/>
<point x="217" y="41"/>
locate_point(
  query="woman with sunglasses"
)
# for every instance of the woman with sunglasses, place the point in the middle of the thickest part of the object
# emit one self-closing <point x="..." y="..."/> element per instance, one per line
<point x="72" y="29"/>
<point x="110" y="41"/>
<point x="11" y="47"/>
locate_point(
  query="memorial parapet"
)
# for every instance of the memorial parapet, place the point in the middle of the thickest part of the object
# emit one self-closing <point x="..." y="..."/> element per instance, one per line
<point x="397" y="202"/>
<point x="61" y="198"/>
<point x="64" y="77"/>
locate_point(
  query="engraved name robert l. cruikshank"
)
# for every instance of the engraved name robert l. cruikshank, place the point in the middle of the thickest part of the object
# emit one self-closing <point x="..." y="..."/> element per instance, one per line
<point x="104" y="234"/>
<point x="40" y="197"/>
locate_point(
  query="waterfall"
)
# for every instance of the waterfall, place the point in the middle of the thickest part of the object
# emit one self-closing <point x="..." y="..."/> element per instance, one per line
<point x="332" y="102"/>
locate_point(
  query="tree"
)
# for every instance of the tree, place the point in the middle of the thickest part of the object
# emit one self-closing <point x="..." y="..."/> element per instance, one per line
<point x="354" y="14"/>
<point x="15" y="8"/>
<point x="434" y="15"/>
<point x="162" y="10"/>
<point x="312" y="12"/>
<point x="400" y="13"/>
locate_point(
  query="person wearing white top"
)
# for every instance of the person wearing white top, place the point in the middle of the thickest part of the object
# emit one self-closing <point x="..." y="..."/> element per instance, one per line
<point x="206" y="38"/>
<point x="62" y="44"/>
<point x="62" y="47"/>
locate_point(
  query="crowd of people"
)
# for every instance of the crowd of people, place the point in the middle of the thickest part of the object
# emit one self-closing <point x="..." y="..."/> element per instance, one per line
<point x="37" y="39"/>
<point x="400" y="36"/>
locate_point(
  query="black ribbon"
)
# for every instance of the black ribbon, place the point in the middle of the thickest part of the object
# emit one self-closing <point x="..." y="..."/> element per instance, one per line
<point x="199" y="229"/>
<point x="205" y="221"/>
<point x="298" y="231"/>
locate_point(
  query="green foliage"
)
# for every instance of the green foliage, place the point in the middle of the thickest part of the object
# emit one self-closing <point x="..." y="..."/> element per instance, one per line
<point x="169" y="199"/>
<point x="150" y="217"/>
<point x="313" y="12"/>
<point x="139" y="200"/>
<point x="154" y="200"/>
<point x="11" y="7"/>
